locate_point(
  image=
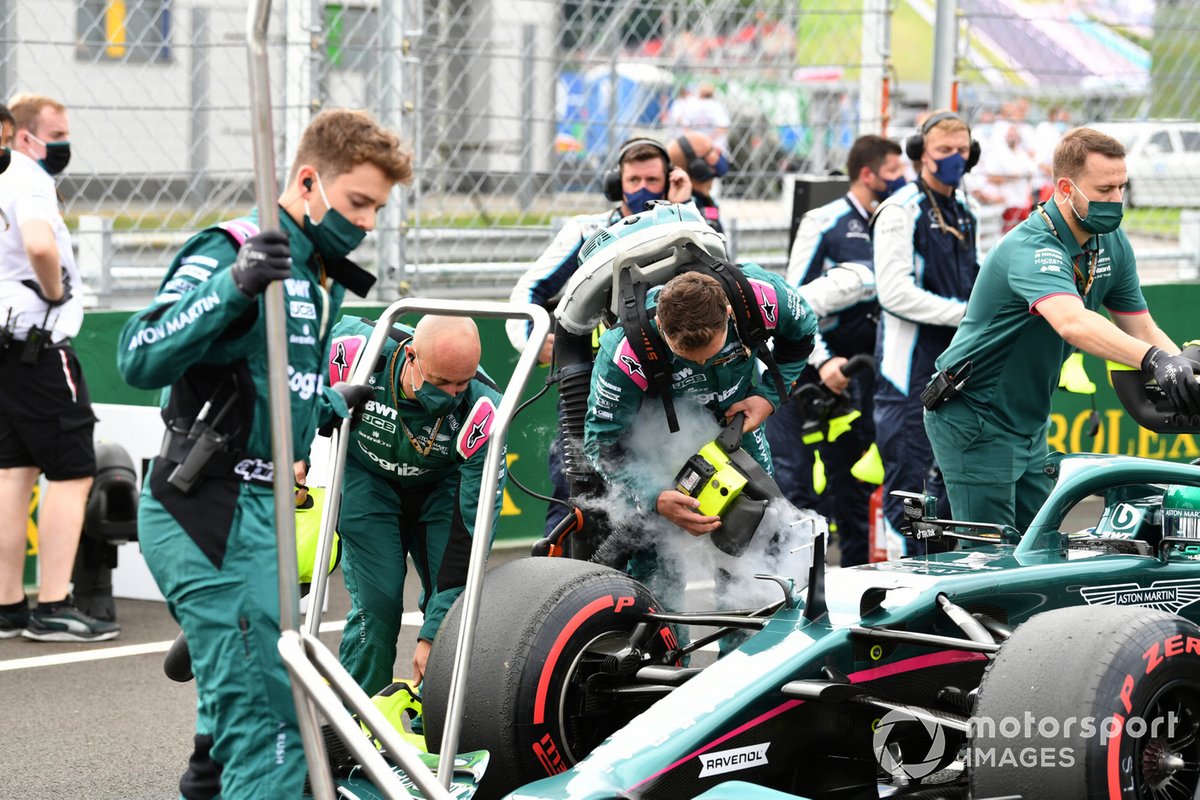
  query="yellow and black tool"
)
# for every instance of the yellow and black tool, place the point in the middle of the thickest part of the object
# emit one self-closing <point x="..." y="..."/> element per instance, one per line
<point x="731" y="485"/>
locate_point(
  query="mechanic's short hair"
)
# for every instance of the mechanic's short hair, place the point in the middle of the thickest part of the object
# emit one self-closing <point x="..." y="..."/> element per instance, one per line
<point x="338" y="140"/>
<point x="647" y="152"/>
<point x="950" y="123"/>
<point x="691" y="310"/>
<point x="26" y="107"/>
<point x="1070" y="156"/>
<point x="869" y="151"/>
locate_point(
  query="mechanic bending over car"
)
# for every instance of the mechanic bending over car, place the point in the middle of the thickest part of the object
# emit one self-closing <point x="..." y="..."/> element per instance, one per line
<point x="1037" y="298"/>
<point x="206" y="517"/>
<point x="643" y="174"/>
<point x="412" y="484"/>
<point x="708" y="363"/>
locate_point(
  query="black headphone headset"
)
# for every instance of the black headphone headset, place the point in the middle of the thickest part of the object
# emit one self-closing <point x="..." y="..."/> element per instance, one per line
<point x="612" y="177"/>
<point x="307" y="183"/>
<point x="914" y="145"/>
<point x="697" y="168"/>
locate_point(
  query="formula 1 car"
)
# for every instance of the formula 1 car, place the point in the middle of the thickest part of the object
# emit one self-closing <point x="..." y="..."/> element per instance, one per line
<point x="1045" y="663"/>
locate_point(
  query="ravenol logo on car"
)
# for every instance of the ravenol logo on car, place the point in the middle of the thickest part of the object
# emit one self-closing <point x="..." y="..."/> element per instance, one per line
<point x="1169" y="596"/>
<point x="733" y="760"/>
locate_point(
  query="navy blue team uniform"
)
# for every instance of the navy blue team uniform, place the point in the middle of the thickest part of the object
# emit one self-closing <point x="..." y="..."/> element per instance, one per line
<point x="835" y="233"/>
<point x="925" y="267"/>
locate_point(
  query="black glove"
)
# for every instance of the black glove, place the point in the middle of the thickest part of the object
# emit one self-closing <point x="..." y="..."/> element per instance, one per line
<point x="355" y="396"/>
<point x="1176" y="377"/>
<point x="36" y="288"/>
<point x="262" y="259"/>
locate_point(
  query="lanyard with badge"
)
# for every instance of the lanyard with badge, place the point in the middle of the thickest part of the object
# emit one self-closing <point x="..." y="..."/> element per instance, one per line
<point x="1082" y="283"/>
<point x="1084" y="287"/>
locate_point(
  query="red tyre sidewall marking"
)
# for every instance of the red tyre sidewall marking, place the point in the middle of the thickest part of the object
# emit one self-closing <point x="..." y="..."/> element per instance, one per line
<point x="1156" y="654"/>
<point x="590" y="610"/>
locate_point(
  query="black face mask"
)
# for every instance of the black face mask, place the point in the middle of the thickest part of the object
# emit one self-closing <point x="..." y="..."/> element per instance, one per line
<point x="58" y="155"/>
<point x="5" y="158"/>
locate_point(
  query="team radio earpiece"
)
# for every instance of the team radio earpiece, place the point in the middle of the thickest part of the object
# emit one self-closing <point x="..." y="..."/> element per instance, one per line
<point x="697" y="168"/>
<point x="914" y="145"/>
<point x="612" y="177"/>
<point x="307" y="183"/>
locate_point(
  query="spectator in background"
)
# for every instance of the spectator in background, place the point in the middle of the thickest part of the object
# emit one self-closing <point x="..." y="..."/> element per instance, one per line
<point x="1014" y="114"/>
<point x="830" y="235"/>
<point x="704" y="114"/>
<point x="985" y="126"/>
<point x="678" y="110"/>
<point x="704" y="162"/>
<point x="1048" y="134"/>
<point x="1010" y="175"/>
<point x="924" y="239"/>
<point x="46" y="418"/>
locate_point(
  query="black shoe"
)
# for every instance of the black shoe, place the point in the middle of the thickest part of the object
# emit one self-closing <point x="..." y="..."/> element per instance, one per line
<point x="12" y="623"/>
<point x="68" y="624"/>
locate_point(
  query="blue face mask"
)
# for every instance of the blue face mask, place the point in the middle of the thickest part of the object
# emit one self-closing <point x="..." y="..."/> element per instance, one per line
<point x="722" y="166"/>
<point x="891" y="187"/>
<point x="950" y="169"/>
<point x="637" y="201"/>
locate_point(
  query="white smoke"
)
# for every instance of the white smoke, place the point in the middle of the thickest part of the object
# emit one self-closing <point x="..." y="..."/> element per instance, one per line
<point x="782" y="544"/>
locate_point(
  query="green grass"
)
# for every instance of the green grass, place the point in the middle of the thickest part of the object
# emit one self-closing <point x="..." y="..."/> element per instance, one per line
<point x="830" y="33"/>
<point x="507" y="219"/>
<point x="1151" y="221"/>
<point x="158" y="221"/>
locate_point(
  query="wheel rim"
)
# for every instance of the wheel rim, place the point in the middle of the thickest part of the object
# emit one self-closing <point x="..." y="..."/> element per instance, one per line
<point x="1169" y="752"/>
<point x="585" y="717"/>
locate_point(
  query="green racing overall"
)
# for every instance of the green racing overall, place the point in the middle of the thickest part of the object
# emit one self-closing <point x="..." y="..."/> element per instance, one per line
<point x="620" y="385"/>
<point x="411" y="489"/>
<point x="211" y="546"/>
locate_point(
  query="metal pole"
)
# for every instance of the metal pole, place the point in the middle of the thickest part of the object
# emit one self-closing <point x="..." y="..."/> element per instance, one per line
<point x="870" y="80"/>
<point x="484" y="515"/>
<point x="8" y="46"/>
<point x="198" y="99"/>
<point x="266" y="196"/>
<point x="301" y="54"/>
<point x="525" y="189"/>
<point x="945" y="53"/>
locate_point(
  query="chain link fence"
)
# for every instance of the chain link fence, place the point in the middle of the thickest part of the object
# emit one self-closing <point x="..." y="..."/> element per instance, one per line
<point x="515" y="109"/>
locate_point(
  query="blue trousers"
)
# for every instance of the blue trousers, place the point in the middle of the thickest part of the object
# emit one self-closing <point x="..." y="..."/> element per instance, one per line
<point x="908" y="461"/>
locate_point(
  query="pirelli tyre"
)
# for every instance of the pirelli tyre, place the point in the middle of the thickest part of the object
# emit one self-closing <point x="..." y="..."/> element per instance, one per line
<point x="1091" y="702"/>
<point x="546" y="627"/>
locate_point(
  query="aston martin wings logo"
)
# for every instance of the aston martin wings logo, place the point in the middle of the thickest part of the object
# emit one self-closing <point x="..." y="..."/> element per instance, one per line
<point x="632" y="366"/>
<point x="1171" y="596"/>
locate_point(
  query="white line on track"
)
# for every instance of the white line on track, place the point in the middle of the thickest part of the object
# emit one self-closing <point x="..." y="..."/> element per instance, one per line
<point x="412" y="618"/>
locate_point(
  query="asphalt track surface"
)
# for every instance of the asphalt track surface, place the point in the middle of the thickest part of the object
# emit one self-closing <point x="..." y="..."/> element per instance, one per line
<point x="102" y="722"/>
